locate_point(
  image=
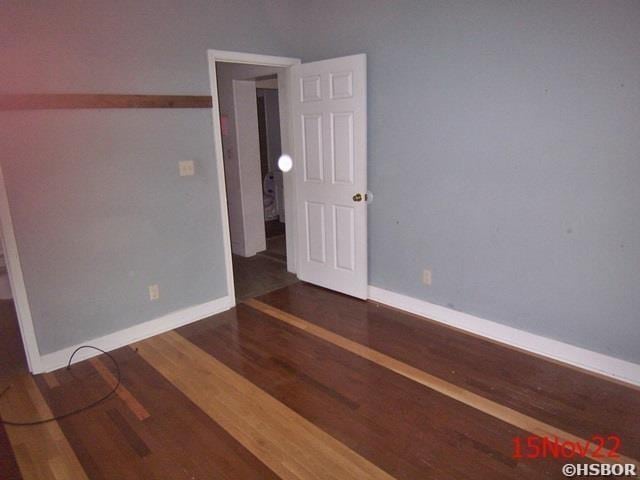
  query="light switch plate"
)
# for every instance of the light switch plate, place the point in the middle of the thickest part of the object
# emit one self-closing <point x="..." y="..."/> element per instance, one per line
<point x="186" y="168"/>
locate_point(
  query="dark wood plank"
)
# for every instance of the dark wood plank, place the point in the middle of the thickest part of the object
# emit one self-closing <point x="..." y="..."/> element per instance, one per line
<point x="259" y="274"/>
<point x="406" y="429"/>
<point x="569" y="399"/>
<point x="129" y="434"/>
<point x="12" y="357"/>
<point x="125" y="395"/>
<point x="13" y="362"/>
<point x="78" y="100"/>
<point x="8" y="466"/>
<point x="182" y="441"/>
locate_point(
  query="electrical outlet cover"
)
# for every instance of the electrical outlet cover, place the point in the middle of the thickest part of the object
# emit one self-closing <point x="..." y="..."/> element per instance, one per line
<point x="186" y="168"/>
<point x="154" y="292"/>
<point x="426" y="277"/>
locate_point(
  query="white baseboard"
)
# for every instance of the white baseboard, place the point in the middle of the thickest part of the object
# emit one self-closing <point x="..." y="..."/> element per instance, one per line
<point x="121" y="338"/>
<point x="563" y="352"/>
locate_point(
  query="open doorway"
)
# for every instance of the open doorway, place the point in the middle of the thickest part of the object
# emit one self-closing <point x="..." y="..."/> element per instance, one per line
<point x="272" y="181"/>
<point x="323" y="120"/>
<point x="250" y="126"/>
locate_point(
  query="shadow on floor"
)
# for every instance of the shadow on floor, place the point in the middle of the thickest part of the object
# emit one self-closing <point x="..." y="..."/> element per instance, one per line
<point x="264" y="272"/>
<point x="12" y="357"/>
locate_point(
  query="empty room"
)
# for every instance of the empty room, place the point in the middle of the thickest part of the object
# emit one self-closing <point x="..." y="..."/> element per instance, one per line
<point x="356" y="239"/>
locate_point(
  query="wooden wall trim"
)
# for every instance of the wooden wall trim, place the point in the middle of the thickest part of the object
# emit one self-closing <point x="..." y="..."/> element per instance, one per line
<point x="80" y="100"/>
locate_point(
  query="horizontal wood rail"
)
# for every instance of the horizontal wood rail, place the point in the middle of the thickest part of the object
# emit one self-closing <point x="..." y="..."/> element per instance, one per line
<point x="80" y="100"/>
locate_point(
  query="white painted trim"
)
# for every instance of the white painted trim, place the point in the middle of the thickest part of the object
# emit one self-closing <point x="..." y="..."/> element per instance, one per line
<point x="556" y="350"/>
<point x="288" y="179"/>
<point x="121" y="338"/>
<point x="222" y="185"/>
<point x="245" y="116"/>
<point x="251" y="59"/>
<point x="16" y="279"/>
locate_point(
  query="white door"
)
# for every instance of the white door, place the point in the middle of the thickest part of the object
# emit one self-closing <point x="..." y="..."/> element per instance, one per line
<point x="329" y="115"/>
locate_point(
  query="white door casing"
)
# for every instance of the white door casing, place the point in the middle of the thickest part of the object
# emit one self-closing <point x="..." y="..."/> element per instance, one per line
<point x="289" y="195"/>
<point x="252" y="239"/>
<point x="329" y="116"/>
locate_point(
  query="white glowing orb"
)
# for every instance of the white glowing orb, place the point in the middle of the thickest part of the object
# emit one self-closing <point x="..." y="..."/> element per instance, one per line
<point x="285" y="163"/>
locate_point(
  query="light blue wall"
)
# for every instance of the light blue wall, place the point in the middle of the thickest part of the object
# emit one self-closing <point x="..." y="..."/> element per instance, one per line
<point x="98" y="207"/>
<point x="100" y="213"/>
<point x="503" y="143"/>
<point x="130" y="46"/>
<point x="504" y="154"/>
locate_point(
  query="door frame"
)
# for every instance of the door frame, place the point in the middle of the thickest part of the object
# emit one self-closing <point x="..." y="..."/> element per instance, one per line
<point x="284" y="91"/>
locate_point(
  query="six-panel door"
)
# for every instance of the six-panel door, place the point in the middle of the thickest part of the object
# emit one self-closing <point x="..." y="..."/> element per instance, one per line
<point x="330" y="167"/>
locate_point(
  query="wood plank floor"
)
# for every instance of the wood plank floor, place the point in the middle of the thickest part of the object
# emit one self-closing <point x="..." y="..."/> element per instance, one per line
<point x="245" y="394"/>
<point x="12" y="357"/>
<point x="567" y="398"/>
<point x="259" y="274"/>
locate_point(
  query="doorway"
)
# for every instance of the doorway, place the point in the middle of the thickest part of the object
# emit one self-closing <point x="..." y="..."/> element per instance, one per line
<point x="323" y="120"/>
<point x="250" y="128"/>
<point x="270" y="150"/>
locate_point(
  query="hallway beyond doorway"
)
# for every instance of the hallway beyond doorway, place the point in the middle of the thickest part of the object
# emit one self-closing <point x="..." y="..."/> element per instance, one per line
<point x="264" y="272"/>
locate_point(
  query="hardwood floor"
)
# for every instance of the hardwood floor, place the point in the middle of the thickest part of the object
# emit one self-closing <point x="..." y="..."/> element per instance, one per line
<point x="307" y="383"/>
<point x="8" y="464"/>
<point x="263" y="272"/>
<point x="176" y="439"/>
<point x="41" y="451"/>
<point x="12" y="357"/>
<point x="276" y="249"/>
<point x="572" y="400"/>
<point x="462" y="395"/>
<point x="285" y="441"/>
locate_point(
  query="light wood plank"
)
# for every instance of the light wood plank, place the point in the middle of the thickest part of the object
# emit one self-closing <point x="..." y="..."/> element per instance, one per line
<point x="455" y="392"/>
<point x="42" y="451"/>
<point x="286" y="442"/>
<point x="125" y="395"/>
<point x="51" y="380"/>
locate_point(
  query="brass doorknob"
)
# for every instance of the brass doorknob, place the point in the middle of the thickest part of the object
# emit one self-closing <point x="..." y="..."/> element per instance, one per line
<point x="357" y="197"/>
